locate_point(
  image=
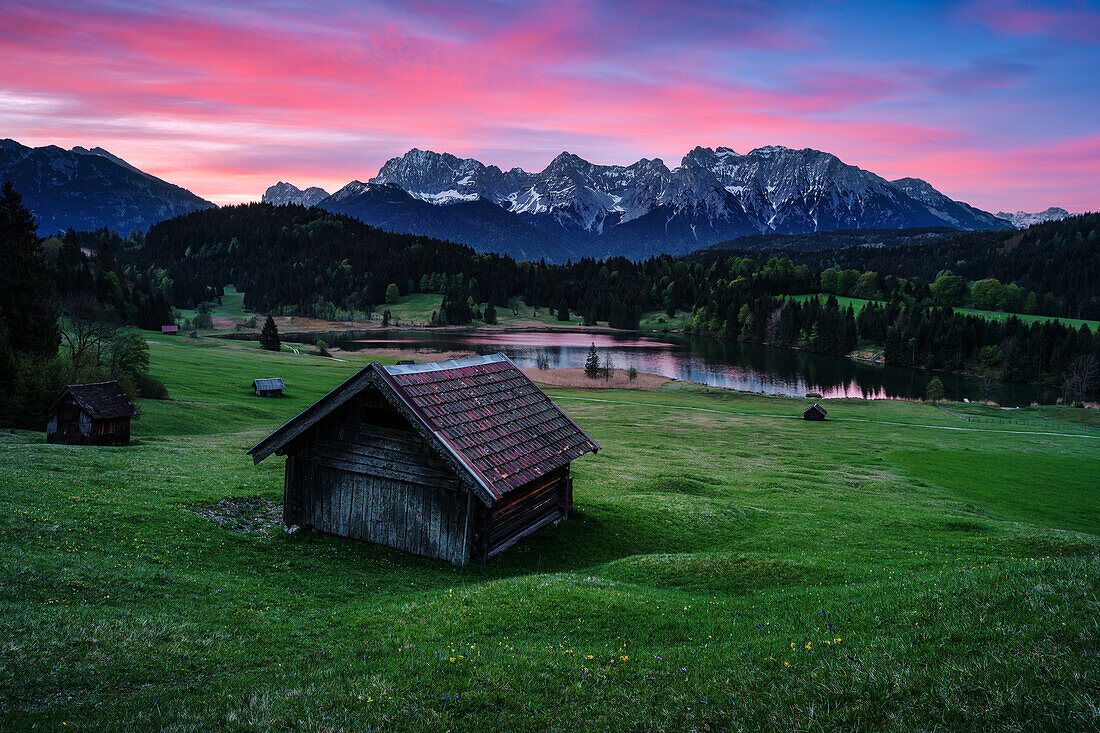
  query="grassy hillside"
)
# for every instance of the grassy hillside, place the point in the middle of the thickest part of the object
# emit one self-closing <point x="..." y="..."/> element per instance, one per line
<point x="858" y="303"/>
<point x="730" y="566"/>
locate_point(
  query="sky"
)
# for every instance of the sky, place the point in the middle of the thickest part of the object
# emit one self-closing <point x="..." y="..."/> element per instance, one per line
<point x="993" y="103"/>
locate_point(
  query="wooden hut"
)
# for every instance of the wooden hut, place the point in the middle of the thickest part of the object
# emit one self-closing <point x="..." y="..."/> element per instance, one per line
<point x="271" y="387"/>
<point x="457" y="460"/>
<point x="814" y="412"/>
<point x="170" y="330"/>
<point x="91" y="414"/>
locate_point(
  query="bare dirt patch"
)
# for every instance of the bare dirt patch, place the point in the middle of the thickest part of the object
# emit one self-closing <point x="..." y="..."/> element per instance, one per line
<point x="575" y="377"/>
<point x="249" y="515"/>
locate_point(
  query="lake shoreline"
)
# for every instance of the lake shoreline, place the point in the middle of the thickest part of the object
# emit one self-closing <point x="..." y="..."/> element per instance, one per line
<point x="871" y="379"/>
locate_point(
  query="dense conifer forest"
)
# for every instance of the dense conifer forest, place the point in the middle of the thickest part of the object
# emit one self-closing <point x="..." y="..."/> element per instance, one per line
<point x="293" y="260"/>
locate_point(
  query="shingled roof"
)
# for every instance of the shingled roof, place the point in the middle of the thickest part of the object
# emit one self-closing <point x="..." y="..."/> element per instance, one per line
<point x="501" y="429"/>
<point x="268" y="383"/>
<point x="101" y="400"/>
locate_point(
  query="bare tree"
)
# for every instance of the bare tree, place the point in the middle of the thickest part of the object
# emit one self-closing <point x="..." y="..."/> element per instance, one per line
<point x="1080" y="375"/>
<point x="89" y="328"/>
<point x="771" y="326"/>
<point x="989" y="381"/>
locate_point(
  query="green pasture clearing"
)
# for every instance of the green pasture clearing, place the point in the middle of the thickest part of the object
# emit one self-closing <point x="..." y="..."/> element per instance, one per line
<point x="415" y="308"/>
<point x="232" y="306"/>
<point x="1026" y="318"/>
<point x="729" y="567"/>
<point x="858" y="303"/>
<point x="1023" y="488"/>
<point x="842" y="300"/>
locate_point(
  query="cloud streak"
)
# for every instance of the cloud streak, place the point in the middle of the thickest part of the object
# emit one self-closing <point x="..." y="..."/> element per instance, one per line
<point x="226" y="101"/>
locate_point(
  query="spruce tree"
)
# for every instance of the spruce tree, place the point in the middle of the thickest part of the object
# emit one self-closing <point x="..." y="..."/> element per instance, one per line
<point x="592" y="364"/>
<point x="269" y="336"/>
<point x="26" y="281"/>
<point x="563" y="311"/>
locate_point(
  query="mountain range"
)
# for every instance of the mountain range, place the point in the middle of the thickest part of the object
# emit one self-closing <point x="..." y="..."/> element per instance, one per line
<point x="575" y="208"/>
<point x="88" y="189"/>
<point x="1023" y="220"/>
<point x="570" y="209"/>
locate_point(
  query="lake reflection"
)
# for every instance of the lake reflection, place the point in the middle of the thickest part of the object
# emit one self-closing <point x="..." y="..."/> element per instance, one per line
<point x="714" y="362"/>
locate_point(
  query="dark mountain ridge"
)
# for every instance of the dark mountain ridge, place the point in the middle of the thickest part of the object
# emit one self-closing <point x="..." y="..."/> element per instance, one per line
<point x="90" y="189"/>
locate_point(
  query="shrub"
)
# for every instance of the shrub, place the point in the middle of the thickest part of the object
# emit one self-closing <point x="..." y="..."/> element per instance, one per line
<point x="150" y="387"/>
<point x="935" y="391"/>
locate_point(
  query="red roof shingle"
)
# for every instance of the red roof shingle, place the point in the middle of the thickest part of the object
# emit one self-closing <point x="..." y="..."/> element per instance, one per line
<point x="494" y="416"/>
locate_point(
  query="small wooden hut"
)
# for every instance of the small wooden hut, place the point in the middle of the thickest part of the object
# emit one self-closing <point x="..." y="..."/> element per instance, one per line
<point x="170" y="330"/>
<point x="91" y="414"/>
<point x="456" y="460"/>
<point x="271" y="387"/>
<point x="814" y="412"/>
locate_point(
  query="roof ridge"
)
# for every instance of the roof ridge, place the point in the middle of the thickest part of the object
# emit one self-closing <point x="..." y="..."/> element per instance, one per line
<point x="439" y="366"/>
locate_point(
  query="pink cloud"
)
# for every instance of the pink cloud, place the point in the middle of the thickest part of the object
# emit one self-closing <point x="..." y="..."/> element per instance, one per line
<point x="1072" y="22"/>
<point x="226" y="102"/>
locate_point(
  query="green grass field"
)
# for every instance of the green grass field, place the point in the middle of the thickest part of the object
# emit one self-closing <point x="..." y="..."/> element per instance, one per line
<point x="729" y="566"/>
<point x="232" y="306"/>
<point x="858" y="303"/>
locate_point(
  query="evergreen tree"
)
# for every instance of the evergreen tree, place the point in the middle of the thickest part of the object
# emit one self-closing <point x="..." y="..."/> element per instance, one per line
<point x="392" y="293"/>
<point x="563" y="311"/>
<point x="386" y="318"/>
<point x="592" y="364"/>
<point x="490" y="314"/>
<point x="26" y="282"/>
<point x="269" y="336"/>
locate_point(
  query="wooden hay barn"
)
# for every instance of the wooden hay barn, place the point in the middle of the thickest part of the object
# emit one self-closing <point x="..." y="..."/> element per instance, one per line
<point x="815" y="412"/>
<point x="269" y="387"/>
<point x="172" y="330"/>
<point x="456" y="460"/>
<point x="91" y="414"/>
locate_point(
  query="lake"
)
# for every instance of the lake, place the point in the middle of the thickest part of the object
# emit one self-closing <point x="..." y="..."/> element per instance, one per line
<point x="714" y="362"/>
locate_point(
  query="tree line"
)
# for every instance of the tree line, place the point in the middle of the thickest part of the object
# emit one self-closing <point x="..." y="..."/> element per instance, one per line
<point x="62" y="312"/>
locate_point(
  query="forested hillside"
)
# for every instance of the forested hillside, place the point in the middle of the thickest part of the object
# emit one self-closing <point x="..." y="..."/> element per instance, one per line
<point x="1059" y="258"/>
<point x="293" y="260"/>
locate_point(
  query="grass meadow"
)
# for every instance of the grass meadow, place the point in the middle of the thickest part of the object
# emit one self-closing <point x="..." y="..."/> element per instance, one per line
<point x="729" y="567"/>
<point x="857" y="304"/>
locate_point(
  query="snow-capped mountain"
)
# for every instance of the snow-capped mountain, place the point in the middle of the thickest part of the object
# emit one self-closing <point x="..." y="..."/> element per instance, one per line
<point x="1023" y="220"/>
<point x="477" y="222"/>
<point x="713" y="195"/>
<point x="283" y="193"/>
<point x="89" y="189"/>
<point x="956" y="213"/>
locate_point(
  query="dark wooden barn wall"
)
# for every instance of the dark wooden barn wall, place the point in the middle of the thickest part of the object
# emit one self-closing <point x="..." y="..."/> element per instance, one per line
<point x="525" y="509"/>
<point x="70" y="424"/>
<point x="365" y="476"/>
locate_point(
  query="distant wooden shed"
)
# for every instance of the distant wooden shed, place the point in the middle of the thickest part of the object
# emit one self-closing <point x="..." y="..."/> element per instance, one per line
<point x="172" y="330"/>
<point x="456" y="460"/>
<point x="815" y="412"/>
<point x="270" y="387"/>
<point x="91" y="414"/>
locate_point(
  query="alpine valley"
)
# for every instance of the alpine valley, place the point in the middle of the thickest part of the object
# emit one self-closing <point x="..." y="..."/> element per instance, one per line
<point x="574" y="208"/>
